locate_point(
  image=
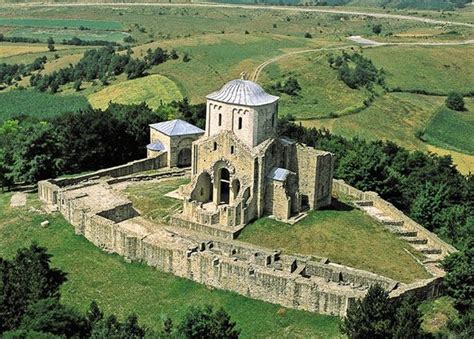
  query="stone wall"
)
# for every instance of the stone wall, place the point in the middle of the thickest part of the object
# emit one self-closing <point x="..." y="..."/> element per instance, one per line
<point x="47" y="189"/>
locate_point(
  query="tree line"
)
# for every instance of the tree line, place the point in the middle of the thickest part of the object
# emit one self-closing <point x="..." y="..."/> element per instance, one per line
<point x="101" y="64"/>
<point x="90" y="139"/>
<point x="73" y="41"/>
<point x="30" y="307"/>
<point x="14" y="72"/>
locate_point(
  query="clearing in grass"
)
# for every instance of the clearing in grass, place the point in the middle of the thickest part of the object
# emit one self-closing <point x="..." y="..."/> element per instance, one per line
<point x="153" y="89"/>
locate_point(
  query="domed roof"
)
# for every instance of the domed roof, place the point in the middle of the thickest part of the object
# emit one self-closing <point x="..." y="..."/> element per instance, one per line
<point x="243" y="92"/>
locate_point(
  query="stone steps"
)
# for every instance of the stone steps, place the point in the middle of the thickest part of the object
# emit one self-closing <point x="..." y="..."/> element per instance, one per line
<point x="433" y="259"/>
<point x="415" y="240"/>
<point x="427" y="250"/>
<point x="390" y="222"/>
<point x="405" y="233"/>
<point x="364" y="203"/>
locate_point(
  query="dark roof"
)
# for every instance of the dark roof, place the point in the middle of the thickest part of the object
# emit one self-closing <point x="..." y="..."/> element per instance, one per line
<point x="176" y="127"/>
<point x="156" y="146"/>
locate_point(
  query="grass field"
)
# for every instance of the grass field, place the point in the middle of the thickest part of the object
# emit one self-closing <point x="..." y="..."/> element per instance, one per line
<point x="438" y="69"/>
<point x="396" y="117"/>
<point x="322" y="94"/>
<point x="150" y="201"/>
<point x="452" y="130"/>
<point x="37" y="104"/>
<point x="62" y="23"/>
<point x="344" y="235"/>
<point x="153" y="89"/>
<point x="122" y="288"/>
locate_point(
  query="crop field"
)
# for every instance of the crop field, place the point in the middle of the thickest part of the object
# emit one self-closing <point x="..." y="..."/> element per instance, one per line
<point x="122" y="288"/>
<point x="452" y="130"/>
<point x="153" y="89"/>
<point x="38" y="104"/>
<point x="344" y="235"/>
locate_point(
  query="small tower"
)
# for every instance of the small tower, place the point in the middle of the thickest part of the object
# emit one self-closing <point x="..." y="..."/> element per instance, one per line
<point x="245" y="108"/>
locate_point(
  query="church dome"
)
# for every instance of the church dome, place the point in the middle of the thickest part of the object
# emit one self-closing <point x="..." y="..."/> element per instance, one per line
<point x="242" y="92"/>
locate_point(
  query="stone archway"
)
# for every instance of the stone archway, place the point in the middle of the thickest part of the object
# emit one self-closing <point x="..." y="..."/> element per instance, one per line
<point x="184" y="157"/>
<point x="203" y="189"/>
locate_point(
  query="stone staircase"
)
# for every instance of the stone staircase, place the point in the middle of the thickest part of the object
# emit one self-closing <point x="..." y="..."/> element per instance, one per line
<point x="396" y="226"/>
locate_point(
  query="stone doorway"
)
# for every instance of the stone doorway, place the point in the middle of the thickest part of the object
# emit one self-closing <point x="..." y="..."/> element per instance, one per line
<point x="184" y="157"/>
<point x="224" y="183"/>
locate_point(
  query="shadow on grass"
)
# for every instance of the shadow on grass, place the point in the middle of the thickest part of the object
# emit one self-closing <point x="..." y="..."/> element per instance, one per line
<point x="337" y="205"/>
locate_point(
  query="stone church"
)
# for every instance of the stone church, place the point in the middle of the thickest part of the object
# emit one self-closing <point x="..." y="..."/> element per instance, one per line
<point x="240" y="168"/>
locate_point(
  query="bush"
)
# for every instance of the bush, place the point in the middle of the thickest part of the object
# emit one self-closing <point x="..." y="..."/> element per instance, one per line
<point x="308" y="35"/>
<point x="455" y="101"/>
<point x="377" y="29"/>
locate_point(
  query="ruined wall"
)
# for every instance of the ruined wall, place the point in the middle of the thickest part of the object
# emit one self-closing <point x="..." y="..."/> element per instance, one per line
<point x="47" y="189"/>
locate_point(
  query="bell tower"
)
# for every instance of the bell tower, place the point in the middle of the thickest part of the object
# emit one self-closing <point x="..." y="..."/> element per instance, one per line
<point x="242" y="106"/>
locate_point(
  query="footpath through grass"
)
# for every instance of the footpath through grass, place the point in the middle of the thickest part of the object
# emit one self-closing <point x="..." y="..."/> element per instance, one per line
<point x="123" y="288"/>
<point x="343" y="234"/>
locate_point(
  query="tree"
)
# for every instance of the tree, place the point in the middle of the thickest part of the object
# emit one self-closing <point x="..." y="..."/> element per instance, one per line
<point x="50" y="42"/>
<point x="371" y="317"/>
<point x="204" y="322"/>
<point x="308" y="35"/>
<point x="408" y="320"/>
<point x="186" y="57"/>
<point x="428" y="203"/>
<point x="377" y="29"/>
<point x="48" y="315"/>
<point x="459" y="279"/>
<point x="25" y="280"/>
<point x="455" y="101"/>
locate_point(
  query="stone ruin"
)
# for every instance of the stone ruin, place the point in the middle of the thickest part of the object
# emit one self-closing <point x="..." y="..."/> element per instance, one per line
<point x="240" y="171"/>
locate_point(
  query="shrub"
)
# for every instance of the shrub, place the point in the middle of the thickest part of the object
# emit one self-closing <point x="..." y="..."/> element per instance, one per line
<point x="308" y="35"/>
<point x="455" y="101"/>
<point x="377" y="29"/>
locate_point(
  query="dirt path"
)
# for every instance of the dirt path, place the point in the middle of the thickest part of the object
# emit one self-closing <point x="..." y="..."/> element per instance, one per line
<point x="253" y="7"/>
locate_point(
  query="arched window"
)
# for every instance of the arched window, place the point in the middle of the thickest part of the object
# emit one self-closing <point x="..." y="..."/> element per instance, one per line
<point x="240" y="123"/>
<point x="215" y="146"/>
<point x="273" y="119"/>
<point x="231" y="149"/>
<point x="220" y="119"/>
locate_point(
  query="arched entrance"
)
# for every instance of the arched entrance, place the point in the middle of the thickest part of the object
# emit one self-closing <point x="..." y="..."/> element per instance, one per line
<point x="235" y="188"/>
<point x="224" y="189"/>
<point x="184" y="157"/>
<point x="203" y="189"/>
